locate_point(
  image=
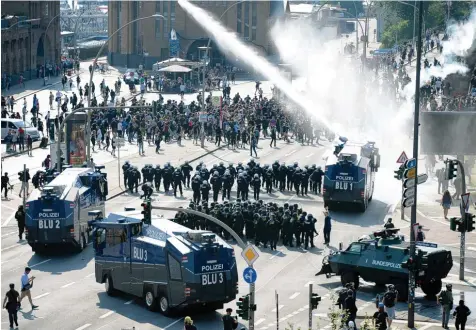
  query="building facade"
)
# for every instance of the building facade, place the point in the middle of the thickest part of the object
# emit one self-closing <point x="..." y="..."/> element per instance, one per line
<point x="25" y="46"/>
<point x="148" y="41"/>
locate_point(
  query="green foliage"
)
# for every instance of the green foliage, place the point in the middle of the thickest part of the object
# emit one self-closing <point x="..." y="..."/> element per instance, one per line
<point x="393" y="33"/>
<point x="435" y="15"/>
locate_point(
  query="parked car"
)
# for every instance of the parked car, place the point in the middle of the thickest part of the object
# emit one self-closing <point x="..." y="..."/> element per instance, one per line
<point x="131" y="75"/>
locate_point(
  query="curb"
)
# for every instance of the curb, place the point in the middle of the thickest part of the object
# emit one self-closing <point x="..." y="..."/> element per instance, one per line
<point x="190" y="161"/>
<point x="34" y="148"/>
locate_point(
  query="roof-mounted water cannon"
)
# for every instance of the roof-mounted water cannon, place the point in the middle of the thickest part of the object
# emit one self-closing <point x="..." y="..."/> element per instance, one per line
<point x="98" y="168"/>
<point x="95" y="215"/>
<point x="48" y="193"/>
<point x="386" y="233"/>
<point x="338" y="148"/>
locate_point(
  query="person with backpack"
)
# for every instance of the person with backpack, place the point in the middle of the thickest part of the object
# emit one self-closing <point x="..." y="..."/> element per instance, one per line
<point x="380" y="318"/>
<point x="445" y="299"/>
<point x="461" y="313"/>
<point x="389" y="301"/>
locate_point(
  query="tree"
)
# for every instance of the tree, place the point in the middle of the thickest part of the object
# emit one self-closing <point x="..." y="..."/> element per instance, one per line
<point x="393" y="33"/>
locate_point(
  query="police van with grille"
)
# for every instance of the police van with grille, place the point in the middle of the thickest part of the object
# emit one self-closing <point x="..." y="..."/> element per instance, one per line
<point x="57" y="215"/>
<point x="350" y="175"/>
<point x="168" y="265"/>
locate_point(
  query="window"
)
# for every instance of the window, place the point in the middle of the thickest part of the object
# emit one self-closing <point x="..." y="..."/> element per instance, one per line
<point x="175" y="270"/>
<point x="157" y="27"/>
<point x="115" y="236"/>
<point x="172" y="14"/>
<point x="166" y="19"/>
<point x="355" y="248"/>
<point x="247" y="21"/>
<point x="4" y="124"/>
<point x="254" y="19"/>
<point x="136" y="229"/>
<point x="100" y="236"/>
<point x="239" y="10"/>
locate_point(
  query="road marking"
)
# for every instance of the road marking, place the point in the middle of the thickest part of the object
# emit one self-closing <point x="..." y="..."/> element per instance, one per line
<point x="279" y="308"/>
<point x="457" y="264"/>
<point x="173" y="323"/>
<point x="41" y="295"/>
<point x="8" y="234"/>
<point x="295" y="295"/>
<point x="13" y="246"/>
<point x="90" y="275"/>
<point x="308" y="283"/>
<point x="260" y="321"/>
<point x="10" y="208"/>
<point x="471" y="248"/>
<point x="289" y="154"/>
<point x="468" y="283"/>
<point x="309" y="155"/>
<point x="129" y="302"/>
<point x="87" y="325"/>
<point x="320" y="315"/>
<point x="302" y="309"/>
<point x="106" y="315"/>
<point x="31" y="266"/>
<point x="426" y="326"/>
<point x="275" y="254"/>
<point x="423" y="215"/>
<point x="66" y="285"/>
<point x="8" y="219"/>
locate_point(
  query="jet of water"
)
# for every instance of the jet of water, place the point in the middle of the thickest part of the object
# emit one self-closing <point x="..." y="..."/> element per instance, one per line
<point x="230" y="43"/>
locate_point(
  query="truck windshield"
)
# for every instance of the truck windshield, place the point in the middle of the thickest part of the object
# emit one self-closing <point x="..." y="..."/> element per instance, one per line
<point x="56" y="190"/>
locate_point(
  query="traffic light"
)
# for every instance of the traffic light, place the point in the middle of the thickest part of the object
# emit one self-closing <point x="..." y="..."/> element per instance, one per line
<point x="469" y="222"/>
<point x="147" y="212"/>
<point x="453" y="223"/>
<point x="243" y="309"/>
<point x="409" y="264"/>
<point x="451" y="169"/>
<point x="315" y="298"/>
<point x="461" y="224"/>
<point x="399" y="173"/>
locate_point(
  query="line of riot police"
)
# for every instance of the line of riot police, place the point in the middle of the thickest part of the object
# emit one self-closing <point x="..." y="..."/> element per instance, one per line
<point x="263" y="223"/>
<point x="221" y="178"/>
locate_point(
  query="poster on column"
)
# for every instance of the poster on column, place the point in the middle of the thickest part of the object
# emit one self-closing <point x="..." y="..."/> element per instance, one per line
<point x="77" y="146"/>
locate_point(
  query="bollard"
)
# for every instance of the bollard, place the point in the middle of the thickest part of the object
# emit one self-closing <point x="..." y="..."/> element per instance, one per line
<point x="340" y="246"/>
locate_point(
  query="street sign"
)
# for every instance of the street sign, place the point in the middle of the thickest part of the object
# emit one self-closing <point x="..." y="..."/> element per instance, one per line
<point x="422" y="178"/>
<point x="427" y="244"/>
<point x="409" y="202"/>
<point x="403" y="158"/>
<point x="409" y="183"/>
<point x="120" y="142"/>
<point x="465" y="202"/>
<point x="410" y="174"/>
<point x="250" y="275"/>
<point x="410" y="192"/>
<point x="203" y="118"/>
<point x="250" y="254"/>
<point x="411" y="163"/>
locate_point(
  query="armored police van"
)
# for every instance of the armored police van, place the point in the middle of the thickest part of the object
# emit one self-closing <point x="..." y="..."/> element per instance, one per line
<point x="350" y="175"/>
<point x="57" y="215"/>
<point x="168" y="265"/>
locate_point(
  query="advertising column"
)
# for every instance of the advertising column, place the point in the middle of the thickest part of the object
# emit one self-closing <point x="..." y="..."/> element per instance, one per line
<point x="75" y="140"/>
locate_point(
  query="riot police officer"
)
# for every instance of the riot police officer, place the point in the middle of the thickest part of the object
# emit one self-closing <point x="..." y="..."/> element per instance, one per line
<point x="309" y="229"/>
<point x="196" y="182"/>
<point x="125" y="168"/>
<point x="186" y="170"/>
<point x="177" y="179"/>
<point x="157" y="177"/>
<point x="205" y="190"/>
<point x="216" y="185"/>
<point x="147" y="190"/>
<point x="316" y="180"/>
<point x="256" y="184"/>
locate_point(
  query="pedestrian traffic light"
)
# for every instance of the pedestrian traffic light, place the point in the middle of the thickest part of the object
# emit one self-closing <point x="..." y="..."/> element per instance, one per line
<point x="243" y="309"/>
<point x="470" y="222"/>
<point x="147" y="212"/>
<point x="451" y="169"/>
<point x="315" y="298"/>
<point x="408" y="264"/>
<point x="461" y="224"/>
<point x="399" y="173"/>
<point x="453" y="223"/>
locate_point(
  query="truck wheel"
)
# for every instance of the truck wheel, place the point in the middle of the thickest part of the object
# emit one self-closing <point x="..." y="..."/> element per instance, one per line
<point x="348" y="277"/>
<point x="82" y="243"/>
<point x="109" y="286"/>
<point x="164" y="305"/>
<point x="402" y="289"/>
<point x="363" y="205"/>
<point x="432" y="287"/>
<point x="150" y="301"/>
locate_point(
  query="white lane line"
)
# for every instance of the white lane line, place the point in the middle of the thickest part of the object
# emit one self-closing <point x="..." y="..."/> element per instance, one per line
<point x="10" y="208"/>
<point x="173" y="323"/>
<point x="471" y="248"/>
<point x="308" y="283"/>
<point x="290" y="153"/>
<point x="41" y="295"/>
<point x="8" y="219"/>
<point x="320" y="315"/>
<point x="66" y="285"/>
<point x="309" y="155"/>
<point x="426" y="326"/>
<point x="260" y="321"/>
<point x="31" y="266"/>
<point x="13" y="246"/>
<point x="300" y="310"/>
<point x="106" y="315"/>
<point x="9" y="234"/>
<point x="90" y="275"/>
<point x="87" y="325"/>
<point x="275" y="254"/>
<point x="328" y="326"/>
<point x="295" y="295"/>
<point x="279" y="308"/>
<point x="129" y="302"/>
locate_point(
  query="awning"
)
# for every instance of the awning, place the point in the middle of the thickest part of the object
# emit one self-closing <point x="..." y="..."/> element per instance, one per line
<point x="175" y="68"/>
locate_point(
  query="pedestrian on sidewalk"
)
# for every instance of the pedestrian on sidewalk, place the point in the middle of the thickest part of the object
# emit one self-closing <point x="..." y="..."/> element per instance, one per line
<point x="229" y="322"/>
<point x="29" y="145"/>
<point x="380" y="318"/>
<point x="6" y="184"/>
<point x="20" y="217"/>
<point x="446" y="202"/>
<point x="445" y="299"/>
<point x="26" y="285"/>
<point x="21" y="139"/>
<point x="11" y="304"/>
<point x="25" y="177"/>
<point x="327" y="227"/>
<point x="461" y="313"/>
<point x="253" y="144"/>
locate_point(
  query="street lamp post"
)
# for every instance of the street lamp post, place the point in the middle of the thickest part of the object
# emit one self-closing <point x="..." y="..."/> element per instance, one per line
<point x="88" y="123"/>
<point x="75" y="42"/>
<point x="203" y="73"/>
<point x="44" y="49"/>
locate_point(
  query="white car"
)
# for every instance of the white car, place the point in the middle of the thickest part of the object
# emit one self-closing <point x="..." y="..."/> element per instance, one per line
<point x="14" y="124"/>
